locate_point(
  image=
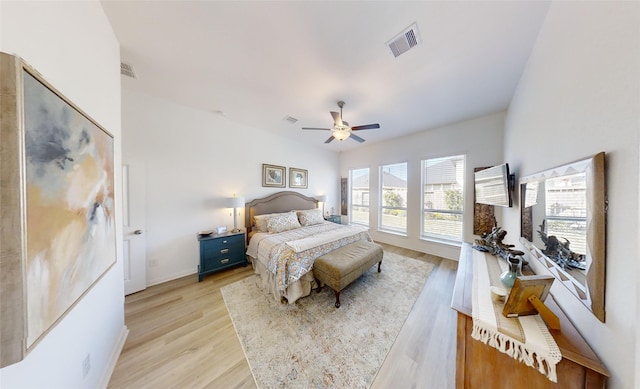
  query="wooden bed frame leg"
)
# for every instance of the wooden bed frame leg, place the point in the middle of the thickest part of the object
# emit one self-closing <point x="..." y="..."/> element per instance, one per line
<point x="379" y="263"/>
<point x="337" y="299"/>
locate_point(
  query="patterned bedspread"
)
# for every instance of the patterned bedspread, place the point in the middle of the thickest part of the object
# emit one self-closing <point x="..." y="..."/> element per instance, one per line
<point x="275" y="250"/>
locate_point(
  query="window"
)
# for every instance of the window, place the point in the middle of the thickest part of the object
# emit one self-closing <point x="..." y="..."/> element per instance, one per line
<point x="443" y="198"/>
<point x="566" y="210"/>
<point x="359" y="206"/>
<point x="393" y="198"/>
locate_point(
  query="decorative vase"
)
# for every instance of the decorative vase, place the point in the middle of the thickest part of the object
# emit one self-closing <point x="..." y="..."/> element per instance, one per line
<point x="514" y="271"/>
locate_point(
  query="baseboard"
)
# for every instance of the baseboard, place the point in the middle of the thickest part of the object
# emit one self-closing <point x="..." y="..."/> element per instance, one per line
<point x="113" y="360"/>
<point x="171" y="277"/>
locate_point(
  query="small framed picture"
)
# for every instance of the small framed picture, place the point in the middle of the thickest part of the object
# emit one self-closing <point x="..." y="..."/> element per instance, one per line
<point x="298" y="178"/>
<point x="273" y="176"/>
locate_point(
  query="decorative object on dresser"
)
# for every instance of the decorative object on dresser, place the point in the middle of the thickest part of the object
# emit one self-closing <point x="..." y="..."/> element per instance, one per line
<point x="477" y="362"/>
<point x="219" y="252"/>
<point x="298" y="178"/>
<point x="58" y="207"/>
<point x="311" y="344"/>
<point x="492" y="243"/>
<point x="569" y="203"/>
<point x="235" y="203"/>
<point x="526" y="298"/>
<point x="274" y="176"/>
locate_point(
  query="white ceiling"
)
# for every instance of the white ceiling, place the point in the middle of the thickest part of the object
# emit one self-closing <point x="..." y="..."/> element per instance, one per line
<point x="258" y="62"/>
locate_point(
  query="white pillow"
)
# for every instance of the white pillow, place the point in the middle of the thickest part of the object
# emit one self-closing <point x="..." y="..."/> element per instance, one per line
<point x="310" y="217"/>
<point x="260" y="221"/>
<point x="282" y="222"/>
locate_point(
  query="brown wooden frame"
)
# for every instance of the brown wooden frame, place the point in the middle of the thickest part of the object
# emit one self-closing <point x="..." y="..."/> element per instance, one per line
<point x="593" y="296"/>
<point x="518" y="303"/>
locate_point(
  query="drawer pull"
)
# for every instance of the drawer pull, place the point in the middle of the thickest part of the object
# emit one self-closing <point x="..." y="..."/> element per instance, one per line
<point x="224" y="241"/>
<point x="224" y="251"/>
<point x="225" y="260"/>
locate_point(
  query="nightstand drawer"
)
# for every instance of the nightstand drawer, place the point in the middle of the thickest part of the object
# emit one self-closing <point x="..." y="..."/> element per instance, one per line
<point x="221" y="261"/>
<point x="235" y="242"/>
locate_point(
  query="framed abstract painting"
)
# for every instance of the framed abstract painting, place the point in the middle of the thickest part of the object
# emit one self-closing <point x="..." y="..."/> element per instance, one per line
<point x="274" y="176"/>
<point x="58" y="211"/>
<point x="298" y="178"/>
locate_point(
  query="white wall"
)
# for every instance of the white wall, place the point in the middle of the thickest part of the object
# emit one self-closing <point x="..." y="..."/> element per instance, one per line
<point x="579" y="95"/>
<point x="193" y="160"/>
<point x="72" y="45"/>
<point x="479" y="139"/>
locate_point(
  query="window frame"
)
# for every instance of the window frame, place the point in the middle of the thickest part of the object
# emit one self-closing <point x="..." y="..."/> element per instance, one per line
<point x="442" y="238"/>
<point x="352" y="205"/>
<point x="382" y="208"/>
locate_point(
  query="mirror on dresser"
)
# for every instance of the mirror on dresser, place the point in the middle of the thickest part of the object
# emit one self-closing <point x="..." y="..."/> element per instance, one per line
<point x="563" y="215"/>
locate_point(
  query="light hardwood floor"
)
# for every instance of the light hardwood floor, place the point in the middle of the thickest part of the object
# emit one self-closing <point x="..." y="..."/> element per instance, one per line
<point x="181" y="336"/>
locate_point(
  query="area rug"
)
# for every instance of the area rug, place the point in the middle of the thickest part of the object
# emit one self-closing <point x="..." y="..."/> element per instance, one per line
<point x="311" y="344"/>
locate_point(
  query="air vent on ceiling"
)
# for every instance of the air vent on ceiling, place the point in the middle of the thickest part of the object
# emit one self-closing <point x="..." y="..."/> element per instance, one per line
<point x="290" y="119"/>
<point x="404" y="41"/>
<point x="127" y="70"/>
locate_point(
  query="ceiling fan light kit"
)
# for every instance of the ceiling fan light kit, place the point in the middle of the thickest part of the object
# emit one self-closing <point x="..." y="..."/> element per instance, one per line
<point x="341" y="129"/>
<point x="341" y="134"/>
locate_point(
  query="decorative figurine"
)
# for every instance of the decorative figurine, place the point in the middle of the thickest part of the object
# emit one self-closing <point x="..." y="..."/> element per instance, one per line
<point x="560" y="252"/>
<point x="492" y="242"/>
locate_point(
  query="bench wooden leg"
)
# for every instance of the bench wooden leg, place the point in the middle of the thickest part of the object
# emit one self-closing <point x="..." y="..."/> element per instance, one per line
<point x="379" y="263"/>
<point x="337" y="299"/>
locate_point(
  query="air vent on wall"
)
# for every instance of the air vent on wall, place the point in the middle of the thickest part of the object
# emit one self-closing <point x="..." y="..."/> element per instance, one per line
<point x="404" y="41"/>
<point x="127" y="70"/>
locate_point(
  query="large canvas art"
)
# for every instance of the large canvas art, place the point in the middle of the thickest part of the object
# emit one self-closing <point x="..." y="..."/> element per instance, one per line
<point x="58" y="211"/>
<point x="69" y="204"/>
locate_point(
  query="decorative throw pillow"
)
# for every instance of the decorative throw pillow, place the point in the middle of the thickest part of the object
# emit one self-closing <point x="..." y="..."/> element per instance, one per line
<point x="280" y="223"/>
<point x="310" y="217"/>
<point x="260" y="221"/>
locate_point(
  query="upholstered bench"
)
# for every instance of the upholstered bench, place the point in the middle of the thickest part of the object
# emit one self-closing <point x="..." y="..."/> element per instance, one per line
<point x="340" y="267"/>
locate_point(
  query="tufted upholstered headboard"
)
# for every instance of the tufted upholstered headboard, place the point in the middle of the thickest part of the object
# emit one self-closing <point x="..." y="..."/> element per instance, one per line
<point x="278" y="202"/>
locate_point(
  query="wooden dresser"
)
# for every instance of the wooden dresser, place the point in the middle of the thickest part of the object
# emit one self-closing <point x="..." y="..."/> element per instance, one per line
<point x="481" y="366"/>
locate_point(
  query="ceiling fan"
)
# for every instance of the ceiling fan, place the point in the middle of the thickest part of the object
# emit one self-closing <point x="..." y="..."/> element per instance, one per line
<point x="341" y="129"/>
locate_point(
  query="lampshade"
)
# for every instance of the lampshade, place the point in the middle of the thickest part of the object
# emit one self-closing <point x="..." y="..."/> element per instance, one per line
<point x="341" y="134"/>
<point x="321" y="198"/>
<point x="234" y="202"/>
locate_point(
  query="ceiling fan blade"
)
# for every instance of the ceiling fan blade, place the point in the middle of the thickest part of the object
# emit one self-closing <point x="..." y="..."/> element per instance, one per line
<point x="313" y="128"/>
<point x="365" y="127"/>
<point x="337" y="119"/>
<point x="331" y="138"/>
<point x="356" y="138"/>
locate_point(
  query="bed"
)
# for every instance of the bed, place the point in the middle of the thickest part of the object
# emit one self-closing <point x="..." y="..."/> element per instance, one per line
<point x="282" y="252"/>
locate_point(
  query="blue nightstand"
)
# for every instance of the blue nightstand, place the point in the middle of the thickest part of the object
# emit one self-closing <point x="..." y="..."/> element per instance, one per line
<point x="334" y="219"/>
<point x="218" y="252"/>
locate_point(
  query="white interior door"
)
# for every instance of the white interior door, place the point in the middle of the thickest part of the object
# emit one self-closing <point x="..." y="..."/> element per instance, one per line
<point x="133" y="194"/>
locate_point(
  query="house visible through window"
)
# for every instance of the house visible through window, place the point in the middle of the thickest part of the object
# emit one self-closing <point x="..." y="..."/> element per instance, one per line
<point x="393" y="198"/>
<point x="443" y="198"/>
<point x="566" y="210"/>
<point x="359" y="204"/>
